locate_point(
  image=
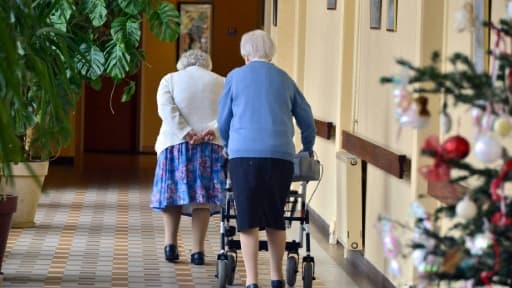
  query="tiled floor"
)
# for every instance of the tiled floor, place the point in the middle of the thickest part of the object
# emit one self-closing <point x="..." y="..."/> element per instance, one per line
<point x="94" y="229"/>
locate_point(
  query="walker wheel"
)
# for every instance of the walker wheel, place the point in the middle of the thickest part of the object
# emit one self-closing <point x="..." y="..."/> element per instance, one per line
<point x="231" y="268"/>
<point x="222" y="273"/>
<point x="307" y="274"/>
<point x="291" y="270"/>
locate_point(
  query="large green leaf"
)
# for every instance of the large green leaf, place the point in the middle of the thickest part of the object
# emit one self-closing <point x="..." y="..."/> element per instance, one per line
<point x="128" y="92"/>
<point x="126" y="29"/>
<point x="132" y="7"/>
<point x="118" y="61"/>
<point x="60" y="14"/>
<point x="164" y="22"/>
<point x="91" y="62"/>
<point x="97" y="11"/>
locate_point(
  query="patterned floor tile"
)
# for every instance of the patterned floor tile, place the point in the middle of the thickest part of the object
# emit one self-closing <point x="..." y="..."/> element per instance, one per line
<point x="99" y="232"/>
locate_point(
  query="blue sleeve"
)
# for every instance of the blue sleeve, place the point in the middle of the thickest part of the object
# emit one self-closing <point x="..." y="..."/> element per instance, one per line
<point x="304" y="118"/>
<point x="225" y="112"/>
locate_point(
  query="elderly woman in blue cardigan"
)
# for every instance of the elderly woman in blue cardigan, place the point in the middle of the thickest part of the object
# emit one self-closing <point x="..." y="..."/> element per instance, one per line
<point x="255" y="122"/>
<point x="189" y="176"/>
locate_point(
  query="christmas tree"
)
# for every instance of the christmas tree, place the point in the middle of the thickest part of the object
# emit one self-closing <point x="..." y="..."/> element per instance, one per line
<point x="477" y="245"/>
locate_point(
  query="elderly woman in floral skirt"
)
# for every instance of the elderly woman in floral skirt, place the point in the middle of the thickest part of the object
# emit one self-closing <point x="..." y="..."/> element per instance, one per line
<point x="189" y="177"/>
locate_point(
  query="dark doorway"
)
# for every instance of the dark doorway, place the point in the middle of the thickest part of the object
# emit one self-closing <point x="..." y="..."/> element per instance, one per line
<point x="105" y="131"/>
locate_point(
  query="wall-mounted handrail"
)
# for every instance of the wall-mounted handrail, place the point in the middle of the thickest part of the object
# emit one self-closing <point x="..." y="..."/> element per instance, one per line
<point x="390" y="162"/>
<point x="324" y="129"/>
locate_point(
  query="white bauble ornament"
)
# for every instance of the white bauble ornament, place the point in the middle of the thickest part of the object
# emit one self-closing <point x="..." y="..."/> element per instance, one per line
<point x="487" y="148"/>
<point x="502" y="126"/>
<point x="466" y="208"/>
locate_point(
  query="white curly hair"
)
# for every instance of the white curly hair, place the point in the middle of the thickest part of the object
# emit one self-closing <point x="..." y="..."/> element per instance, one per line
<point x="257" y="44"/>
<point x="194" y="57"/>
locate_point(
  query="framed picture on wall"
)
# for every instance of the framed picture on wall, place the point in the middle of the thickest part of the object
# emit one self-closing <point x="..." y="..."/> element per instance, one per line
<point x="274" y="13"/>
<point x="196" y="27"/>
<point x="392" y="15"/>
<point x="375" y="13"/>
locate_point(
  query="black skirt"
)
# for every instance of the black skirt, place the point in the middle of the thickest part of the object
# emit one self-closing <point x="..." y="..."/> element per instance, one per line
<point x="260" y="188"/>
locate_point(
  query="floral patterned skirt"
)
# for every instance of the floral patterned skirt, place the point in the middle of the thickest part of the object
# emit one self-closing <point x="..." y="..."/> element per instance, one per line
<point x="188" y="174"/>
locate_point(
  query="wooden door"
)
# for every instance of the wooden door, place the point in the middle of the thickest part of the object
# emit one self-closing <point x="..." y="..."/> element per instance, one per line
<point x="109" y="124"/>
<point x="231" y="19"/>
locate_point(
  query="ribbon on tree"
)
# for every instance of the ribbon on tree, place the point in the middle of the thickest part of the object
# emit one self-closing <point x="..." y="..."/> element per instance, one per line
<point x="500" y="218"/>
<point x="497" y="182"/>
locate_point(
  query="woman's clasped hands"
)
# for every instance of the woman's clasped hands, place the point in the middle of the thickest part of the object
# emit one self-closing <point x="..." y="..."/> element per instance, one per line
<point x="194" y="137"/>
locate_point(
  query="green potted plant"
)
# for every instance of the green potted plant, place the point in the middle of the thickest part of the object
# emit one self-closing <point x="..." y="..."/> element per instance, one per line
<point x="49" y="47"/>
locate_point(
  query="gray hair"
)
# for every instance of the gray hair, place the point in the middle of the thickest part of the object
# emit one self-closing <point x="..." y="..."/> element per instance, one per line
<point x="194" y="57"/>
<point x="257" y="44"/>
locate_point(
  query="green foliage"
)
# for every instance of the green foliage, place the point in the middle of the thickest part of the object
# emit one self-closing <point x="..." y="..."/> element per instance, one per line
<point x="97" y="11"/>
<point x="160" y="22"/>
<point x="49" y="47"/>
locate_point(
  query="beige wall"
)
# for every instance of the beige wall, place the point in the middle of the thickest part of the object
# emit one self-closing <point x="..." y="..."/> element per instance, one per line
<point x="309" y="50"/>
<point x="374" y="114"/>
<point x="322" y="85"/>
<point x="285" y="29"/>
<point x="419" y="33"/>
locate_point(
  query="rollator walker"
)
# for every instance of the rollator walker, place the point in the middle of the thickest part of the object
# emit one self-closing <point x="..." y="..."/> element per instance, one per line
<point x="306" y="169"/>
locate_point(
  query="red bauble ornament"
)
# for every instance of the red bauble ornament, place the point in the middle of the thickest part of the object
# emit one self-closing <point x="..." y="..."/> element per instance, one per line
<point x="455" y="147"/>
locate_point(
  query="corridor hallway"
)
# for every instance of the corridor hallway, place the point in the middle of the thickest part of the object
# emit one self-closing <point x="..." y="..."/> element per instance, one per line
<point x="95" y="229"/>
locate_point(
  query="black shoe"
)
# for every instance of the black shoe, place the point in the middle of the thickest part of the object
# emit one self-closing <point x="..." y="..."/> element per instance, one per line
<point x="277" y="283"/>
<point x="171" y="253"/>
<point x="197" y="258"/>
<point x="252" y="286"/>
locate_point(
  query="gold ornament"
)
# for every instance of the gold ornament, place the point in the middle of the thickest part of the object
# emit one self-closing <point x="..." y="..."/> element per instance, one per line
<point x="502" y="127"/>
